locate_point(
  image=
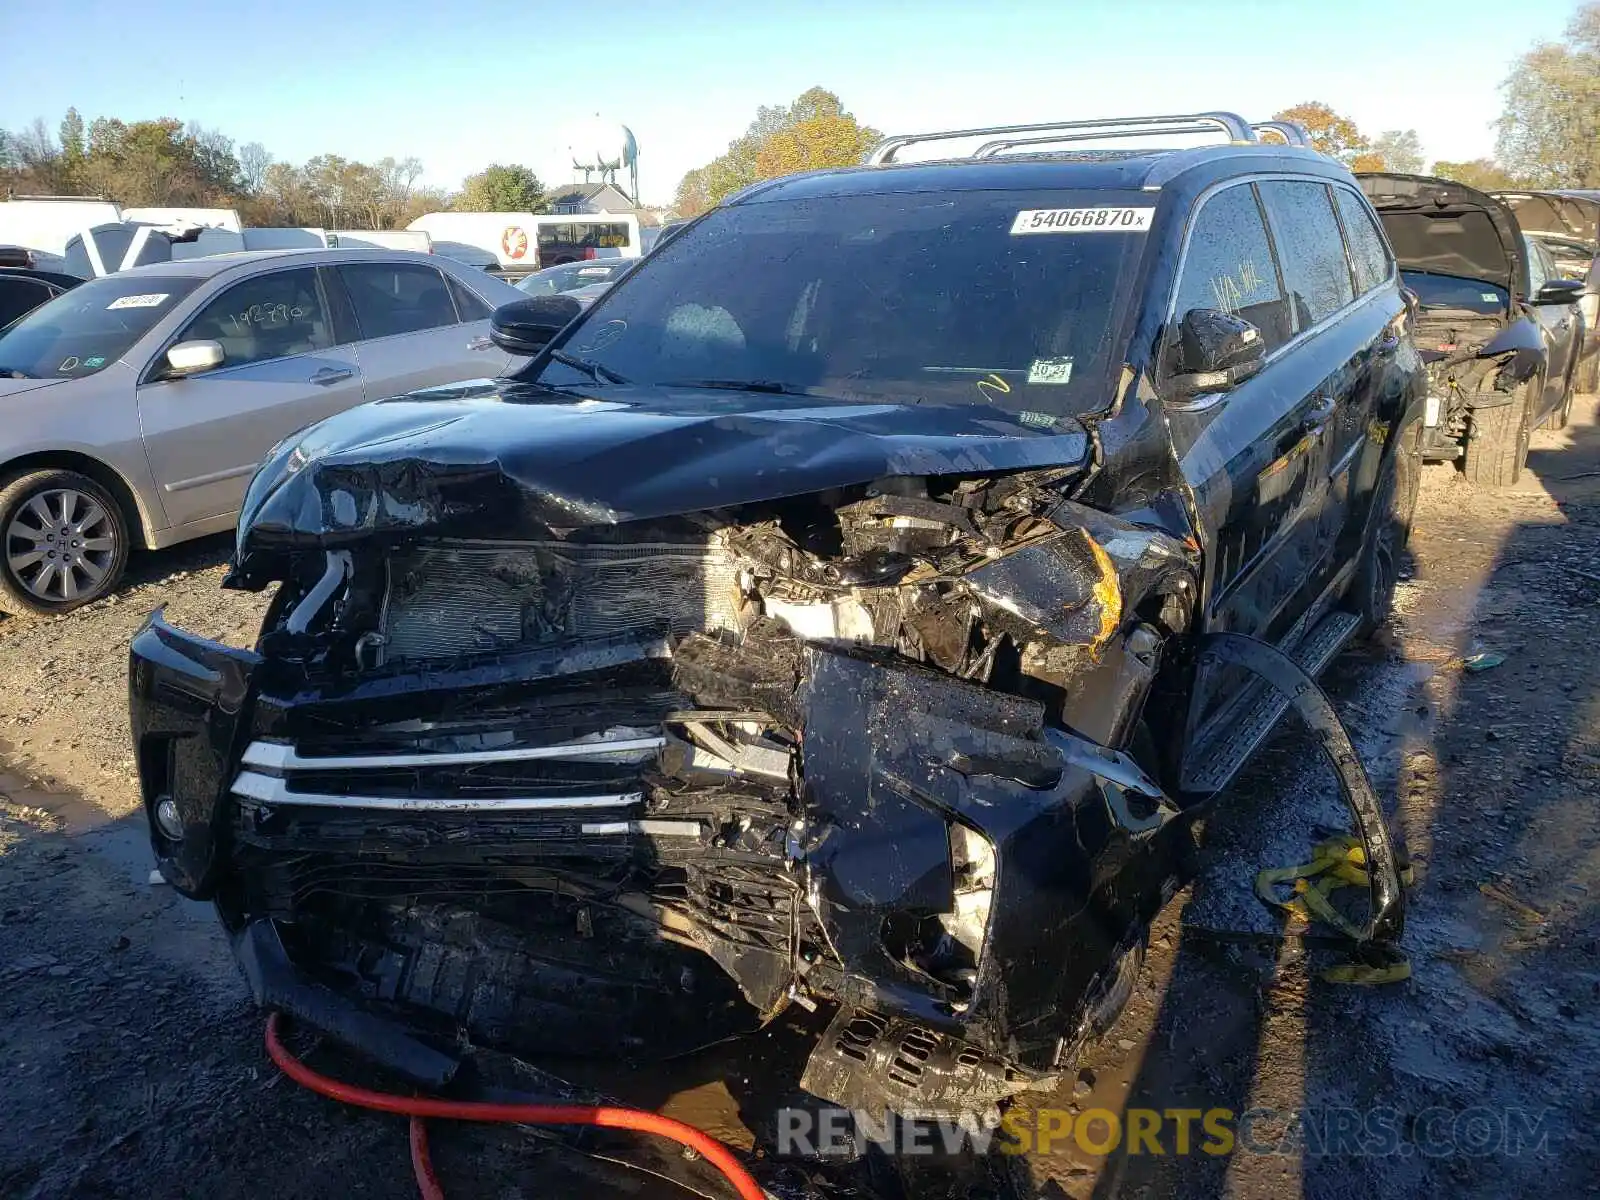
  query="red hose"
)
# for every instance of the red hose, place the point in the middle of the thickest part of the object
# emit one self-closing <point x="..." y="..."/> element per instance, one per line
<point x="419" y="1107"/>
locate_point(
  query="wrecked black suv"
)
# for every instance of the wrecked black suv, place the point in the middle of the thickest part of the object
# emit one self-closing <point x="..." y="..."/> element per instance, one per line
<point x="813" y="621"/>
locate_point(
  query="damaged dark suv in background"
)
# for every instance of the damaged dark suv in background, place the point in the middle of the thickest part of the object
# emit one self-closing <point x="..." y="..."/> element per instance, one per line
<point x="812" y="621"/>
<point x="1501" y="332"/>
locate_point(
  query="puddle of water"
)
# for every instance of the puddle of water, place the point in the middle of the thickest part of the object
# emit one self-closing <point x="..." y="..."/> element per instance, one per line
<point x="123" y="841"/>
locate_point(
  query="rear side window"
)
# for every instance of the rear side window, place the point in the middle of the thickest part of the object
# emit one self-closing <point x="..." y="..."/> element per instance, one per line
<point x="1229" y="266"/>
<point x="1368" y="255"/>
<point x="468" y="306"/>
<point x="269" y="316"/>
<point x="1309" y="247"/>
<point x="393" y="298"/>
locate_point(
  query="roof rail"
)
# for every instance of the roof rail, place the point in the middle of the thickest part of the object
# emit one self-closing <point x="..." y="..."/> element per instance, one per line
<point x="1235" y="127"/>
<point x="1292" y="132"/>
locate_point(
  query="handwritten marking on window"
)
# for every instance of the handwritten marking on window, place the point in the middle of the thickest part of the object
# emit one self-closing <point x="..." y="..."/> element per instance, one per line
<point x="1232" y="291"/>
<point x="268" y="316"/>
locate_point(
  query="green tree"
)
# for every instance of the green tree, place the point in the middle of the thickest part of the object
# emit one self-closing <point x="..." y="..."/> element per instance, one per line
<point x="1547" y="132"/>
<point x="1332" y="134"/>
<point x="1400" y="150"/>
<point x="72" y="145"/>
<point x="1482" y="173"/>
<point x="813" y="132"/>
<point x="500" y="188"/>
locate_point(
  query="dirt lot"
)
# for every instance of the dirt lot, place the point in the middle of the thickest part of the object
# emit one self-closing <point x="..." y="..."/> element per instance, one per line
<point x="133" y="1065"/>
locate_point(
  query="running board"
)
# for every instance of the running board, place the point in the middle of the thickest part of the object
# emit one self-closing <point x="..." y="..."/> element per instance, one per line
<point x="1212" y="762"/>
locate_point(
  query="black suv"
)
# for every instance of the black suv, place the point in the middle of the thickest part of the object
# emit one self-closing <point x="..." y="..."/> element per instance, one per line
<point x="813" y="621"/>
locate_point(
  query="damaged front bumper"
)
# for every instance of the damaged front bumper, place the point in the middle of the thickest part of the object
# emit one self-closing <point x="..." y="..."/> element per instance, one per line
<point x="639" y="844"/>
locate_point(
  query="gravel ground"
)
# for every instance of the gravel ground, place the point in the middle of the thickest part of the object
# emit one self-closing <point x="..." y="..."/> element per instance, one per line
<point x="132" y="1058"/>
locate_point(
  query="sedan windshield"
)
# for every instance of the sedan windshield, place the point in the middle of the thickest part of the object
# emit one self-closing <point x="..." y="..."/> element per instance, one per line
<point x="1012" y="299"/>
<point x="87" y="329"/>
<point x="569" y="277"/>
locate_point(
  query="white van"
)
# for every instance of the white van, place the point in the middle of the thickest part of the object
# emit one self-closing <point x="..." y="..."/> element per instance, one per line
<point x="523" y="243"/>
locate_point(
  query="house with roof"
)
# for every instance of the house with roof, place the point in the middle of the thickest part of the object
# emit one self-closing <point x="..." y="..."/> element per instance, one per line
<point x="590" y="198"/>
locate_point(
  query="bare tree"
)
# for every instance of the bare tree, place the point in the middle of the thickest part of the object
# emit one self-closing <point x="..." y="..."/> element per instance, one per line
<point x="253" y="163"/>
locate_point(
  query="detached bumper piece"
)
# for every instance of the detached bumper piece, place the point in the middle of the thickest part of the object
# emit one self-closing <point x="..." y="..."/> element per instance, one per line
<point x="637" y="845"/>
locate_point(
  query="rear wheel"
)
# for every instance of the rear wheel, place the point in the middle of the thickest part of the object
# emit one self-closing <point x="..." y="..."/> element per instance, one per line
<point x="1497" y="439"/>
<point x="1393" y="504"/>
<point x="63" y="542"/>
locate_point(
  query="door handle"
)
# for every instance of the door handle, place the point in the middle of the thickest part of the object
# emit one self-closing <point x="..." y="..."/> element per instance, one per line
<point x="480" y="343"/>
<point x="1319" y="416"/>
<point x="331" y="375"/>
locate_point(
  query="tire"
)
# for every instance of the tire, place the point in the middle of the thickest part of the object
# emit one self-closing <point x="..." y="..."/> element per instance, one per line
<point x="1497" y="439"/>
<point x="86" y="525"/>
<point x="1389" y="529"/>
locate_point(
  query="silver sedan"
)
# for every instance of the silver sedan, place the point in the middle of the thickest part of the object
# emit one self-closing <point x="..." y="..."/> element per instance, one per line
<point x="135" y="408"/>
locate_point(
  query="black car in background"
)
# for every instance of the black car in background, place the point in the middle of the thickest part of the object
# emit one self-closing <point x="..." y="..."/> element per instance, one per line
<point x="22" y="290"/>
<point x="1500" y="330"/>
<point x="1567" y="224"/>
<point x="818" y="619"/>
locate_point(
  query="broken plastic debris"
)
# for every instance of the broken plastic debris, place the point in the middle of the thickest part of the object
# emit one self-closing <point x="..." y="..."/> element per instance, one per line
<point x="1484" y="660"/>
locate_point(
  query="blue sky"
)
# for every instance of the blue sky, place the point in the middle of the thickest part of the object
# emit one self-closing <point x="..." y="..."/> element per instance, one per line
<point x="460" y="85"/>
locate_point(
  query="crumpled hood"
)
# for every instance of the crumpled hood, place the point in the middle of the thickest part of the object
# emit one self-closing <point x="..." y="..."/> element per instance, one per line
<point x="489" y="460"/>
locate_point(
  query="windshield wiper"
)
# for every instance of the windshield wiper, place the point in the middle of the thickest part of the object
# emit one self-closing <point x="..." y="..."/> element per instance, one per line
<point x="593" y="370"/>
<point x="13" y="373"/>
<point x="741" y="385"/>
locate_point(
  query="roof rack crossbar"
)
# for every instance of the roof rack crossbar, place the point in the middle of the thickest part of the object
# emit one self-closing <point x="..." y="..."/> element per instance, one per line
<point x="1291" y="132"/>
<point x="1005" y="145"/>
<point x="1234" y="126"/>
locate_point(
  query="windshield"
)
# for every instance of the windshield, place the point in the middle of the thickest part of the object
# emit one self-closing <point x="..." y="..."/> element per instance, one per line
<point x="89" y="328"/>
<point x="1011" y="299"/>
<point x="571" y="276"/>
<point x="1451" y="291"/>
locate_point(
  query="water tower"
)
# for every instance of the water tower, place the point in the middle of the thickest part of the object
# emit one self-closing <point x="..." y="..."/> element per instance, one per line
<point x="602" y="149"/>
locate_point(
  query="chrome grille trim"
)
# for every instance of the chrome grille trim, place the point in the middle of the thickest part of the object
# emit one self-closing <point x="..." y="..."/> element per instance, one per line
<point x="280" y="756"/>
<point x="265" y="789"/>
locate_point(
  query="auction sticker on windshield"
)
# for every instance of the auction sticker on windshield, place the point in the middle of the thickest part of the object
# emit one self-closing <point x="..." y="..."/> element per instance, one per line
<point x="146" y="300"/>
<point x="1082" y="220"/>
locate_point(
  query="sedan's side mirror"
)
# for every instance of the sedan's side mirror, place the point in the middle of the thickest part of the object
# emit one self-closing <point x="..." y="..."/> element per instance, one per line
<point x="1216" y="350"/>
<point x="528" y="326"/>
<point x="191" y="358"/>
<point x="1559" y="291"/>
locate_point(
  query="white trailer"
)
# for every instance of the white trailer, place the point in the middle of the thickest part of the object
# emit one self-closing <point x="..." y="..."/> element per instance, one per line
<point x="205" y="218"/>
<point x="45" y="224"/>
<point x="381" y="239"/>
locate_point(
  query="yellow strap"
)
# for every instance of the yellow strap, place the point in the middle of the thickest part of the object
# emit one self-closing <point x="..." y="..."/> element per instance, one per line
<point x="1335" y="863"/>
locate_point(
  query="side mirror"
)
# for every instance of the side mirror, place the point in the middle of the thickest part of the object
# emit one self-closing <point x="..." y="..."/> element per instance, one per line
<point x="1216" y="351"/>
<point x="190" y="358"/>
<point x="1559" y="291"/>
<point x="528" y="326"/>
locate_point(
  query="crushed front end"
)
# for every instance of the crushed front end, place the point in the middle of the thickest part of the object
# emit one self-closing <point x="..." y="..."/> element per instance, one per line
<point x="628" y="788"/>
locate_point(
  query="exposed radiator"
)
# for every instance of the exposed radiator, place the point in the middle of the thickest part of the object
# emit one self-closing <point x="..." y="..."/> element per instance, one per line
<point x="457" y="598"/>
